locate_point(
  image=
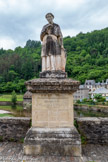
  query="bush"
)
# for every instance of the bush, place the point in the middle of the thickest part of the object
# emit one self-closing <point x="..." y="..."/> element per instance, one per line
<point x="14" y="99"/>
<point x="99" y="98"/>
<point x="84" y="100"/>
<point x="91" y="102"/>
<point x="78" y="101"/>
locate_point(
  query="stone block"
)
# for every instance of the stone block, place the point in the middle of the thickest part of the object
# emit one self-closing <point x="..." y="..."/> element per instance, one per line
<point x="55" y="110"/>
<point x="53" y="141"/>
<point x="55" y="85"/>
<point x="53" y="74"/>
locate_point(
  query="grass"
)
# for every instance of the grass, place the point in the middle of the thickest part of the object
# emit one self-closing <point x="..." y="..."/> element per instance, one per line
<point x="7" y="97"/>
<point x="8" y="115"/>
<point x="5" y="108"/>
<point x="83" y="137"/>
<point x="9" y="108"/>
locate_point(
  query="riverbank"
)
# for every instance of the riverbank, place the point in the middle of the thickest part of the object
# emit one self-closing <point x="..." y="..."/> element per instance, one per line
<point x="96" y="108"/>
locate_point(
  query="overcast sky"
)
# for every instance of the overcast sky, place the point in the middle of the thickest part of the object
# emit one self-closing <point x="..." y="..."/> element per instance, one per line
<point x="21" y="20"/>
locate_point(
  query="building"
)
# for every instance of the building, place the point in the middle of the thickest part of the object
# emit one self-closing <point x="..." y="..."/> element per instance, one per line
<point x="81" y="93"/>
<point x="106" y="86"/>
<point x="89" y="84"/>
<point x="103" y="91"/>
<point x="93" y="86"/>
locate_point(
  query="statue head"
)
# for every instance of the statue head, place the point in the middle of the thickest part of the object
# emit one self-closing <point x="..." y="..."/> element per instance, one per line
<point x="49" y="17"/>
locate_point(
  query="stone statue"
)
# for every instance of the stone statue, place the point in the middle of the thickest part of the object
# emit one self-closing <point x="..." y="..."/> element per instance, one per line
<point x="53" y="53"/>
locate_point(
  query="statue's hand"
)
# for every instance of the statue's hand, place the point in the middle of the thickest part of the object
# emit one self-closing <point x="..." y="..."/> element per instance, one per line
<point x="48" y="29"/>
<point x="49" y="25"/>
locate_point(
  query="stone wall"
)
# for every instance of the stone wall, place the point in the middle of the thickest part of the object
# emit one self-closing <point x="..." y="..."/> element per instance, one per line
<point x="93" y="130"/>
<point x="96" y="108"/>
<point x="13" y="128"/>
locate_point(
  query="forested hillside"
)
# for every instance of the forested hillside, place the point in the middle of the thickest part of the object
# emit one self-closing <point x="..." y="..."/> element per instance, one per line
<point x="19" y="65"/>
<point x="87" y="58"/>
<point x="88" y="55"/>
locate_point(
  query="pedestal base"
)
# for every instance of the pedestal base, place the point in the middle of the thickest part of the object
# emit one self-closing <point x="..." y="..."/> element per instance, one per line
<point x="53" y="74"/>
<point x="53" y="141"/>
<point x="53" y="132"/>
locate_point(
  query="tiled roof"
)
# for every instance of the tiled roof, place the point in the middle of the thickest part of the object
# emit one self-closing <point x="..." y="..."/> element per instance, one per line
<point x="101" y="90"/>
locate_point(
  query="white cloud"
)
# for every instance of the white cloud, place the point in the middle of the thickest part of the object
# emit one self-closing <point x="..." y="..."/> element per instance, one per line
<point x="23" y="19"/>
<point x="69" y="4"/>
<point x="18" y="7"/>
<point x="70" y="32"/>
<point x="7" y="43"/>
<point x="100" y="18"/>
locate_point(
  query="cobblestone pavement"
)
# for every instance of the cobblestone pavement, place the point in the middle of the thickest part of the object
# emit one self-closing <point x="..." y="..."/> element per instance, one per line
<point x="13" y="152"/>
<point x="95" y="153"/>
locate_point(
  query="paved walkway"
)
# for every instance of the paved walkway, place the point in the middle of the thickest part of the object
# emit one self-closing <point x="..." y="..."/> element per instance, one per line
<point x="95" y="153"/>
<point x="13" y="152"/>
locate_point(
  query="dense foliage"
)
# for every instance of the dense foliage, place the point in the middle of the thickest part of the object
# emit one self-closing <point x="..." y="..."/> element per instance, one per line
<point x="87" y="58"/>
<point x="19" y="65"/>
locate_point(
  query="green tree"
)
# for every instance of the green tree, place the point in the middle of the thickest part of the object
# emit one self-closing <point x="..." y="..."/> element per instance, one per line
<point x="99" y="98"/>
<point x="14" y="99"/>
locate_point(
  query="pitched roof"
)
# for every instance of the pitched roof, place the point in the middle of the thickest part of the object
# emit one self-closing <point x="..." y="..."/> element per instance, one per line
<point x="28" y="95"/>
<point x="101" y="91"/>
<point x="90" y="81"/>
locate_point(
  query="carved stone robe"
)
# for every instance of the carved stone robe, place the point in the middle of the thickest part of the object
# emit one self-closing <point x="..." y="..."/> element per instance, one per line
<point x="52" y="41"/>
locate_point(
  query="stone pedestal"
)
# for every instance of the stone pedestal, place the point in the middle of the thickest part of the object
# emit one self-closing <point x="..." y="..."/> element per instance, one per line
<point x="53" y="131"/>
<point x="53" y="74"/>
<point x="53" y="141"/>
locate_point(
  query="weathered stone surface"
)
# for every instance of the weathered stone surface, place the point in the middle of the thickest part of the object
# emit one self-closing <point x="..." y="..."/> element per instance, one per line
<point x="27" y="95"/>
<point x="13" y="128"/>
<point x="52" y="131"/>
<point x="58" y="141"/>
<point x="53" y="53"/>
<point x="53" y="74"/>
<point x="95" y="130"/>
<point x="13" y="152"/>
<point x="45" y="85"/>
<point x="95" y="153"/>
<point x="52" y="110"/>
<point x="27" y="100"/>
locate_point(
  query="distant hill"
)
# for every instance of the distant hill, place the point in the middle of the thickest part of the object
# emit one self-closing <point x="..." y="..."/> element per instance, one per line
<point x="87" y="55"/>
<point x="87" y="58"/>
